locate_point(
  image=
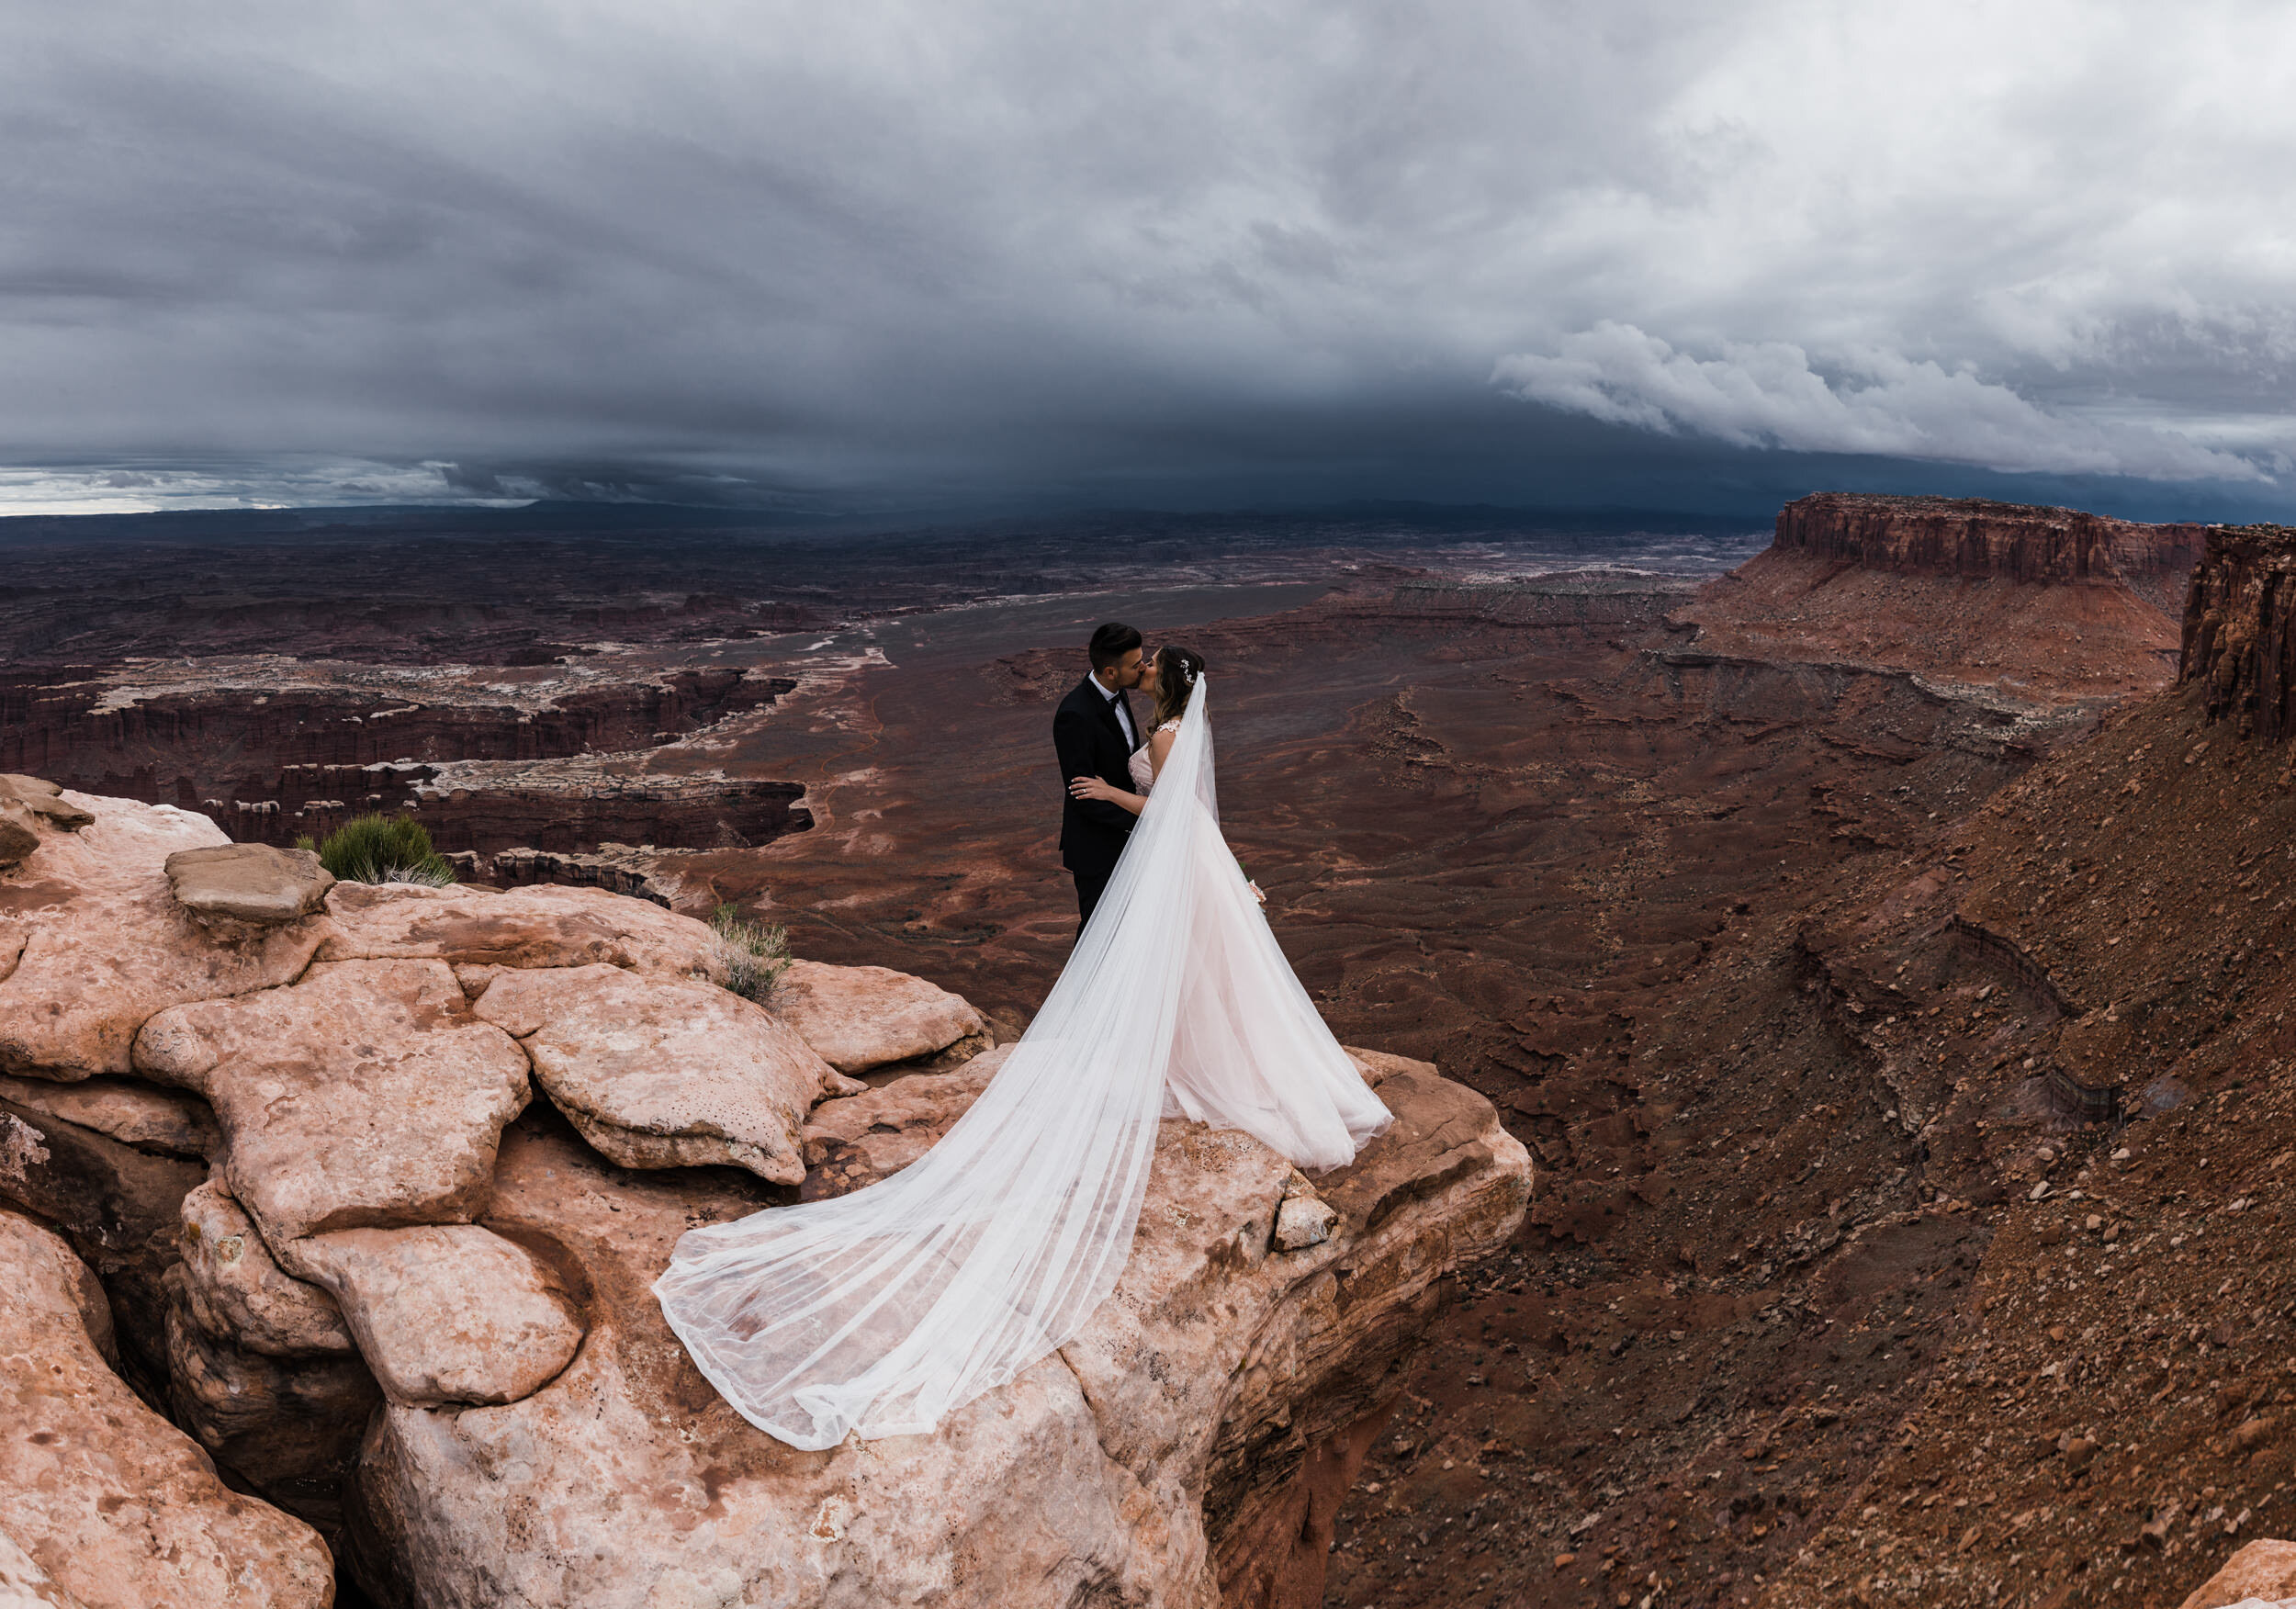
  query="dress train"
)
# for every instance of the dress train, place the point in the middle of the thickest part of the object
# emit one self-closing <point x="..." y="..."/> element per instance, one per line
<point x="882" y="1310"/>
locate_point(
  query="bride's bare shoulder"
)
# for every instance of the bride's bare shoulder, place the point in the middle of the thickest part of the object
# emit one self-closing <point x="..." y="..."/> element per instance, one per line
<point x="1160" y="742"/>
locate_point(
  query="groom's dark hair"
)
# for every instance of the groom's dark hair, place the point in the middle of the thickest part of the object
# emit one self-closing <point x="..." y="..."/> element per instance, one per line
<point x="1111" y="643"/>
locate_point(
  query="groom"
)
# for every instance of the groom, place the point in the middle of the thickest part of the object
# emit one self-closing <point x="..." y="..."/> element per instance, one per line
<point x="1094" y="735"/>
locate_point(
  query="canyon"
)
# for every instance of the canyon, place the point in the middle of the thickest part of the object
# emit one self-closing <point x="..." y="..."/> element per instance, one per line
<point x="273" y="749"/>
<point x="1877" y="947"/>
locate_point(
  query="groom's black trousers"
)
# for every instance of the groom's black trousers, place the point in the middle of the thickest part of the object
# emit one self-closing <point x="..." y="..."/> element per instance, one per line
<point x="1090" y="886"/>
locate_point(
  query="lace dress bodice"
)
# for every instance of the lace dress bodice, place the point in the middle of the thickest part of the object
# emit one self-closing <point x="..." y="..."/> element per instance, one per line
<point x="1143" y="764"/>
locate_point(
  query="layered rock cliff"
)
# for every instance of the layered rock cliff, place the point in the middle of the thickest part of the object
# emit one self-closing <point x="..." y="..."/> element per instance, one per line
<point x="395" y="1293"/>
<point x="552" y="756"/>
<point x="2237" y="644"/>
<point x="2050" y="611"/>
<point x="180" y="732"/>
<point x="1975" y="537"/>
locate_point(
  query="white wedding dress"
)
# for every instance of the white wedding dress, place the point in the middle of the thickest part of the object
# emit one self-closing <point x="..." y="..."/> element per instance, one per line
<point x="882" y="1311"/>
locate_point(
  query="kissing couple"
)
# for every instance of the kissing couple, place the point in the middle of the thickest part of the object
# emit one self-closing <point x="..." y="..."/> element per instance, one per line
<point x="880" y="1313"/>
<point x="1109" y="767"/>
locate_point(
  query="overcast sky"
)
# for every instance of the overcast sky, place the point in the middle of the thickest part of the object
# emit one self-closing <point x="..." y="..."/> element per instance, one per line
<point x="1173" y="252"/>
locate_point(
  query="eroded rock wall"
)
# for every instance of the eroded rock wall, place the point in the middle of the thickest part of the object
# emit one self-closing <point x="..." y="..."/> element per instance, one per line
<point x="2042" y="609"/>
<point x="1975" y="536"/>
<point x="135" y="734"/>
<point x="2237" y="644"/>
<point x="490" y="759"/>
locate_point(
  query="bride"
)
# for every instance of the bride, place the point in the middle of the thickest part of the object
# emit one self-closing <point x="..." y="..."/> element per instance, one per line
<point x="881" y="1311"/>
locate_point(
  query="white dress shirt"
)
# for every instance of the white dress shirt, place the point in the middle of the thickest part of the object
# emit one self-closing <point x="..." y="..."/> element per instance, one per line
<point x="1123" y="712"/>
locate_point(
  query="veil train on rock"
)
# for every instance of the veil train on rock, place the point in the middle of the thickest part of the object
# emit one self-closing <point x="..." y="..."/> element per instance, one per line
<point x="884" y="1310"/>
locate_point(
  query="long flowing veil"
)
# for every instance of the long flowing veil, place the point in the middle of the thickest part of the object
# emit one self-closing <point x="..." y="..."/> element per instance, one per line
<point x="881" y="1311"/>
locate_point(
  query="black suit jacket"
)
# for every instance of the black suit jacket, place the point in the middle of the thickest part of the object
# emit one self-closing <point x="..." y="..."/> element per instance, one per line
<point x="1091" y="743"/>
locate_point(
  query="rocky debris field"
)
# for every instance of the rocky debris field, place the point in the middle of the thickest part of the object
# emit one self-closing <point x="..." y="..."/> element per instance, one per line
<point x="1918" y="1244"/>
<point x="332" y="1211"/>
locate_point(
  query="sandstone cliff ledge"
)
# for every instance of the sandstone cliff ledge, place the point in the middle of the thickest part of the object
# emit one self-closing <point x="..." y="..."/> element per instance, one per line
<point x="1975" y="536"/>
<point x="399" y="1295"/>
<point x="2046" y="608"/>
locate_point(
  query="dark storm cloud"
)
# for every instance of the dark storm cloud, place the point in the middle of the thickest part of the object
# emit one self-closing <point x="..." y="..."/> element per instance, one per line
<point x="1156" y="251"/>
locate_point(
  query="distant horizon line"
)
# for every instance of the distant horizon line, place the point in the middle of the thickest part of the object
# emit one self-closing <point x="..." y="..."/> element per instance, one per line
<point x="1411" y="513"/>
<point x="1405" y="516"/>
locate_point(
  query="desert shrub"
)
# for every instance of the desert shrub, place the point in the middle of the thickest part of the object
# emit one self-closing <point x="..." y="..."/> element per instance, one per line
<point x="385" y="848"/>
<point x="754" y="956"/>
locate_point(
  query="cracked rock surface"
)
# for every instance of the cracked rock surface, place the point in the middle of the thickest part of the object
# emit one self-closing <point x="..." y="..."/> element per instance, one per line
<point x="102" y="944"/>
<point x="864" y="1018"/>
<point x="1146" y="1462"/>
<point x="108" y="1501"/>
<point x="365" y="1095"/>
<point x="664" y="1073"/>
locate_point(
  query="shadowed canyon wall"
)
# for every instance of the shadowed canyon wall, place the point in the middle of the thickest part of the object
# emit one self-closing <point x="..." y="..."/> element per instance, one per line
<point x="274" y="751"/>
<point x="2236" y="639"/>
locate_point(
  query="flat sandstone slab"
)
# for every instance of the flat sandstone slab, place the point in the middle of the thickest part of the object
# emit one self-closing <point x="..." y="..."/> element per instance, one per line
<point x="450" y="1314"/>
<point x="661" y="1072"/>
<point x="862" y="1017"/>
<point x="249" y="882"/>
<point x="127" y="1109"/>
<point x="544" y="925"/>
<point x="103" y="944"/>
<point x="365" y="1094"/>
<point x="115" y="1505"/>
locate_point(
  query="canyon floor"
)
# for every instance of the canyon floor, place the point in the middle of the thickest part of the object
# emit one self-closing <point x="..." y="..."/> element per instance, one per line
<point x="1791" y="954"/>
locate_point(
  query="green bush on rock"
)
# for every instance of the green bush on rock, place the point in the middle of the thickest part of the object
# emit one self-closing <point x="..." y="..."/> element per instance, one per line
<point x="379" y="848"/>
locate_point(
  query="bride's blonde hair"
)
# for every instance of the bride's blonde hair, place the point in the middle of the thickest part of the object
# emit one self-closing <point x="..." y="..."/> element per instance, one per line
<point x="1176" y="671"/>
